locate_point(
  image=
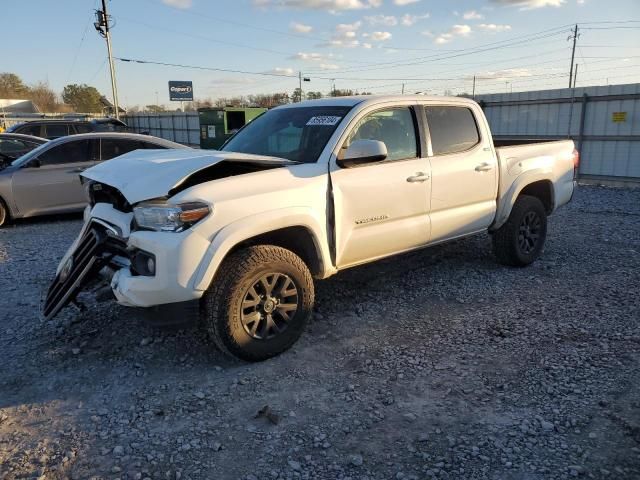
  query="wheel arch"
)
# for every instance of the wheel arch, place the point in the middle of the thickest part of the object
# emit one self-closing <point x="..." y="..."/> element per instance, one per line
<point x="301" y="234"/>
<point x="536" y="184"/>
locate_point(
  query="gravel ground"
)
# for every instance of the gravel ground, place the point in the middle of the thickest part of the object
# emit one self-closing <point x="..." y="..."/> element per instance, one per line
<point x="436" y="364"/>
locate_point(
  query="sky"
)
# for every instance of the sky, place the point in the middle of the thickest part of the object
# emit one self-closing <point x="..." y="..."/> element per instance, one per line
<point x="377" y="46"/>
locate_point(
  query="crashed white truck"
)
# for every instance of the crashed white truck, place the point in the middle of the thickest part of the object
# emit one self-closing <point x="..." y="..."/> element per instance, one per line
<point x="304" y="191"/>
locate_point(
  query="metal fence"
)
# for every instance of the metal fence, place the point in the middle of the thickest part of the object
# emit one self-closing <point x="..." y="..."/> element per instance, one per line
<point x="603" y="121"/>
<point x="181" y="127"/>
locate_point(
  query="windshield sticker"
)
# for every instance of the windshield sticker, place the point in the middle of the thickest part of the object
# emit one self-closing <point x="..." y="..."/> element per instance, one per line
<point x="324" y="120"/>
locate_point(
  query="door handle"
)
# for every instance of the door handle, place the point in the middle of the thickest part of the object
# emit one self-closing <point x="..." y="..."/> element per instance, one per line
<point x="418" y="177"/>
<point x="484" y="167"/>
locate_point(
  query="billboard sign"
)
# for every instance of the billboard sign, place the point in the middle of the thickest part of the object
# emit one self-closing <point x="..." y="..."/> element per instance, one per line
<point x="180" y="91"/>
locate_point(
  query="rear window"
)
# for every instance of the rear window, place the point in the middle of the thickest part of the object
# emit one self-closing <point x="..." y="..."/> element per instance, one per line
<point x="55" y="131"/>
<point x="452" y="129"/>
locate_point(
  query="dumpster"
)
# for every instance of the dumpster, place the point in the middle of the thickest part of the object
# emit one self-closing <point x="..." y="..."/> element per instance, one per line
<point x="218" y="124"/>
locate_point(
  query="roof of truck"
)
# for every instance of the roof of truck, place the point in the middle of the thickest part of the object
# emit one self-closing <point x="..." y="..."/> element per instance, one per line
<point x="373" y="99"/>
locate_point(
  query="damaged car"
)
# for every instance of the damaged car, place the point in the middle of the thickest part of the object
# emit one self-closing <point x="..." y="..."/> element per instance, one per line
<point x="304" y="191"/>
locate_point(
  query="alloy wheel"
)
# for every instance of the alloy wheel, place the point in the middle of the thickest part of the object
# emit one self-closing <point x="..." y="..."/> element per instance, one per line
<point x="269" y="305"/>
<point x="529" y="232"/>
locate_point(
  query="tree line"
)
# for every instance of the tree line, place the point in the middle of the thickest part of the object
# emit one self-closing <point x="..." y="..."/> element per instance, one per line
<point x="73" y="98"/>
<point x="84" y="98"/>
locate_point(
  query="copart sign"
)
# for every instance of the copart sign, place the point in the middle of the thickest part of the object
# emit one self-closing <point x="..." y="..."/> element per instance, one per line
<point x="180" y="91"/>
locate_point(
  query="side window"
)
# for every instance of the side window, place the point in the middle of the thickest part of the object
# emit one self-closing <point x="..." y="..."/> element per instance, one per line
<point x="30" y="130"/>
<point x="69" y="152"/>
<point x="56" y="130"/>
<point x="13" y="146"/>
<point x="395" y="127"/>
<point x="81" y="128"/>
<point x="452" y="129"/>
<point x="114" y="147"/>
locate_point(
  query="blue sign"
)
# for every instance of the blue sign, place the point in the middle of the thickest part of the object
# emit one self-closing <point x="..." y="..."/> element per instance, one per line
<point x="180" y="91"/>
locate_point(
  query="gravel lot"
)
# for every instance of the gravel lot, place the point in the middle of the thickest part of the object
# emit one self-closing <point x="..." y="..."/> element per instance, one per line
<point x="436" y="364"/>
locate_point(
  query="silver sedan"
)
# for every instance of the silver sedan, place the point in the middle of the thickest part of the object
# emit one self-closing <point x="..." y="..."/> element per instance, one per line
<point x="46" y="180"/>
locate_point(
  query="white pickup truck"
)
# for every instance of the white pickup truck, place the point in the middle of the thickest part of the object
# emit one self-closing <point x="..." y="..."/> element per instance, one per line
<point x="302" y="192"/>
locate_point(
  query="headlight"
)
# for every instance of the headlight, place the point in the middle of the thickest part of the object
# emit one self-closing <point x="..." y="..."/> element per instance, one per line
<point x="169" y="218"/>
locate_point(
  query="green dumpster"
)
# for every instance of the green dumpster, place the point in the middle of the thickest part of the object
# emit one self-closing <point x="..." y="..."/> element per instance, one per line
<point x="218" y="124"/>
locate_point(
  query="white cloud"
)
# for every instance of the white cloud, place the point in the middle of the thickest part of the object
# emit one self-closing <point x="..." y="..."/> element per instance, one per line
<point x="281" y="71"/>
<point x="530" y="4"/>
<point x="311" y="57"/>
<point x="329" y="66"/>
<point x="455" y="31"/>
<point x="505" y="74"/>
<point x="472" y="15"/>
<point x="408" y="20"/>
<point x="378" y="36"/>
<point x="300" y="27"/>
<point x="492" y="27"/>
<point x="387" y="20"/>
<point x="405" y="2"/>
<point x="366" y="45"/>
<point x="328" y="5"/>
<point x="345" y="35"/>
<point x="178" y="3"/>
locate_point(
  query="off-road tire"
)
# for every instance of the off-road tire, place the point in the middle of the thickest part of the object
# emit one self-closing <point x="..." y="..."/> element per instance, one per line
<point x="506" y="240"/>
<point x="221" y="306"/>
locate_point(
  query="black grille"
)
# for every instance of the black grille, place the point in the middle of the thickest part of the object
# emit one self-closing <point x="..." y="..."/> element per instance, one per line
<point x="102" y="193"/>
<point x="85" y="260"/>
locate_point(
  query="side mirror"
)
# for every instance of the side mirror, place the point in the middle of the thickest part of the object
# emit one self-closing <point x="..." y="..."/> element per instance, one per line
<point x="35" y="163"/>
<point x="361" y="152"/>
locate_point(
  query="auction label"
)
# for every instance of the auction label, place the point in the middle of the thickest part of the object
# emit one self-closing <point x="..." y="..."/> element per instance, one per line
<point x="323" y="120"/>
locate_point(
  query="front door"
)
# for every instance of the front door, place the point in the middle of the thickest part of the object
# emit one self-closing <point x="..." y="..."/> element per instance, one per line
<point x="52" y="184"/>
<point x="382" y="208"/>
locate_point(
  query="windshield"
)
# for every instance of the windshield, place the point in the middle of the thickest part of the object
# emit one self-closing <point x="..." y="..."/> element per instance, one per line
<point x="298" y="133"/>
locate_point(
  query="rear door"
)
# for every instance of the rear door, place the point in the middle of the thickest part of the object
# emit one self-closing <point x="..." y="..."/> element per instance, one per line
<point x="382" y="208"/>
<point x="54" y="186"/>
<point x="464" y="169"/>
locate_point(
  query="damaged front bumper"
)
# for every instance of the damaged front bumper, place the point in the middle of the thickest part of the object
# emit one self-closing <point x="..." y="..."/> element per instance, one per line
<point x="142" y="269"/>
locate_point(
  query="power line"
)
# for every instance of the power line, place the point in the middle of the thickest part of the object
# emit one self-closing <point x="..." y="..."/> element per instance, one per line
<point x="196" y="67"/>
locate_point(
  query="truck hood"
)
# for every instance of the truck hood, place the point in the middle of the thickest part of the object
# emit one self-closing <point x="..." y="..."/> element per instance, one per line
<point x="147" y="174"/>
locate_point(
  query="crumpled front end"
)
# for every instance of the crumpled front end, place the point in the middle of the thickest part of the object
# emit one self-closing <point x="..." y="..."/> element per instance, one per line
<point x="141" y="268"/>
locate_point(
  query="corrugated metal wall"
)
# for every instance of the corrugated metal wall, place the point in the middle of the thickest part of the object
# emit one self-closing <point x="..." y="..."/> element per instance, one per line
<point x="609" y="144"/>
<point x="181" y="127"/>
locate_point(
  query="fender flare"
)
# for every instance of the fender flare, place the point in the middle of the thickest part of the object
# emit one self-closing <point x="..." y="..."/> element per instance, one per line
<point x="508" y="199"/>
<point x="260" y="223"/>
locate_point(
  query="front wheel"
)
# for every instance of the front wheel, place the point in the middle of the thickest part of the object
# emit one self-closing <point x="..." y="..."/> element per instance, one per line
<point x="4" y="214"/>
<point x="259" y="302"/>
<point x="519" y="241"/>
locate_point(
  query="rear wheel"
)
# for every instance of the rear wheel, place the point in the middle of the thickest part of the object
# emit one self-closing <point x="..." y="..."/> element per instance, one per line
<point x="521" y="239"/>
<point x="259" y="302"/>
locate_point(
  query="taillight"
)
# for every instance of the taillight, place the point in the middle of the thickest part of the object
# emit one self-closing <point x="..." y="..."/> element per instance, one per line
<point x="576" y="162"/>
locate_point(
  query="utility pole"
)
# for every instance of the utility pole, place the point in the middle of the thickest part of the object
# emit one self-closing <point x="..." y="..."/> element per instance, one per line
<point x="573" y="53"/>
<point x="575" y="75"/>
<point x="403" y="89"/>
<point x="473" y="90"/>
<point x="102" y="26"/>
